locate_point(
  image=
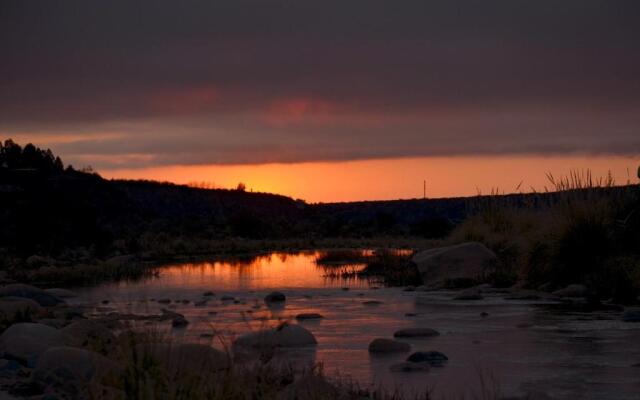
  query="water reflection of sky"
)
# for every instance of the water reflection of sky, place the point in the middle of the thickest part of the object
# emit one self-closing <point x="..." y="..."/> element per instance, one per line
<point x="270" y="271"/>
<point x="519" y="347"/>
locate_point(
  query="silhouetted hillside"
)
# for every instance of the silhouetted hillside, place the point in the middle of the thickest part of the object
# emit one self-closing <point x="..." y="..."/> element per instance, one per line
<point x="48" y="209"/>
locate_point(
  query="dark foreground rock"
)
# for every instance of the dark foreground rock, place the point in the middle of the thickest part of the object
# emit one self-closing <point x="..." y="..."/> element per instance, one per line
<point x="70" y="370"/>
<point x="26" y="342"/>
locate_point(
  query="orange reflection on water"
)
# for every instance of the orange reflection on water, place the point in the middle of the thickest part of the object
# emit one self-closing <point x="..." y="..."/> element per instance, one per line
<point x="275" y="270"/>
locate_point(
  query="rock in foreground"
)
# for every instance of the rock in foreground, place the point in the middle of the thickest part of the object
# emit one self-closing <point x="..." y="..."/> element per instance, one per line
<point x="26" y="342"/>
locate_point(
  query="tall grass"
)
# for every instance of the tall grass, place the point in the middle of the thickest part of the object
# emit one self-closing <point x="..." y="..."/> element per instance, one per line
<point x="141" y="375"/>
<point x="581" y="229"/>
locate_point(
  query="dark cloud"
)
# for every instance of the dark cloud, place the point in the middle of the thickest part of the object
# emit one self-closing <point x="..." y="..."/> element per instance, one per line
<point x="293" y="80"/>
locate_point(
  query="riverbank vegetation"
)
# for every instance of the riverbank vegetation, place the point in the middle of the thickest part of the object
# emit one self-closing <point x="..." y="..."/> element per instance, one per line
<point x="586" y="230"/>
<point x="59" y="224"/>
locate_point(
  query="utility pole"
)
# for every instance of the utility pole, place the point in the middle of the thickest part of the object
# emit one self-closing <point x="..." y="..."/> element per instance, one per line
<point x="424" y="189"/>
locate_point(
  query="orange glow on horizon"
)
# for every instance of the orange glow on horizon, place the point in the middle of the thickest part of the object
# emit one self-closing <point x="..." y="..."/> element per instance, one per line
<point x="390" y="178"/>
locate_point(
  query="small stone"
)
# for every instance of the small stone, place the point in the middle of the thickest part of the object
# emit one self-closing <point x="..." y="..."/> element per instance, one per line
<point x="372" y="303"/>
<point x="208" y="293"/>
<point x="275" y="297"/>
<point x="433" y="358"/>
<point x="179" y="322"/>
<point x="484" y="314"/>
<point x="164" y="301"/>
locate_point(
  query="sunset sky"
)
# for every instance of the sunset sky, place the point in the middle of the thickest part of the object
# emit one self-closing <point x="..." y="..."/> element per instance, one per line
<point x="327" y="100"/>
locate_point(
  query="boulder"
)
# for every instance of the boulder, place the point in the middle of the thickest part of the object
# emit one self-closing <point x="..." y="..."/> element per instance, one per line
<point x="70" y="370"/>
<point x="382" y="345"/>
<point x="30" y="292"/>
<point x="307" y="316"/>
<point x="186" y="357"/>
<point x="285" y="335"/>
<point x="25" y="342"/>
<point x="433" y="358"/>
<point x="572" y="291"/>
<point x="91" y="335"/>
<point x="275" y="297"/>
<point x="416" y="333"/>
<point x="61" y="293"/>
<point x="14" y="309"/>
<point x="631" y="316"/>
<point x="461" y="264"/>
<point x="410" y="367"/>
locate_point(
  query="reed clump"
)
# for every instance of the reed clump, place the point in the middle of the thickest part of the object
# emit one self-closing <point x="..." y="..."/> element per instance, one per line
<point x="579" y="230"/>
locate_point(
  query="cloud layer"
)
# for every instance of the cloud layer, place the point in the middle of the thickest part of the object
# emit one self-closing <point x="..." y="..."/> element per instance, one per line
<point x="139" y="83"/>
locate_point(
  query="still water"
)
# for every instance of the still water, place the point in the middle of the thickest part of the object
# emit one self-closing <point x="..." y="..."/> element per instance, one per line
<point x="521" y="348"/>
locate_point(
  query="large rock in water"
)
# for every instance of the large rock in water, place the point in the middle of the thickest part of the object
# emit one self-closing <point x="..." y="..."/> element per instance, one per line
<point x="30" y="292"/>
<point x="285" y="335"/>
<point x="25" y="342"/>
<point x="190" y="358"/>
<point x="459" y="265"/>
